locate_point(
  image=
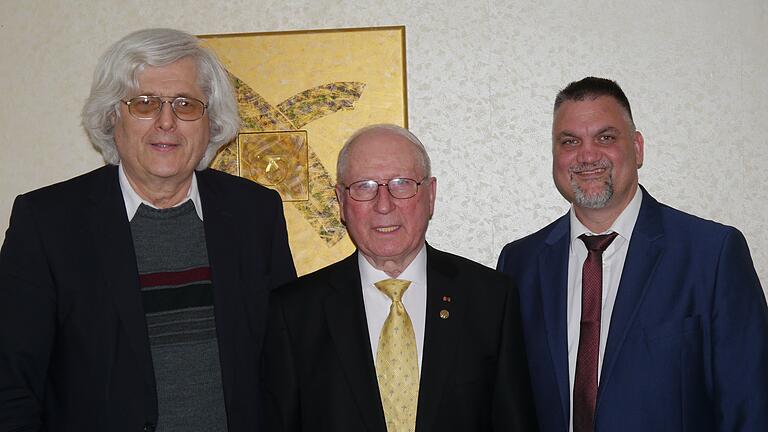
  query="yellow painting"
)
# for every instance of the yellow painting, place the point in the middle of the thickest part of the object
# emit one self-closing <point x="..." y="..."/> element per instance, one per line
<point x="301" y="94"/>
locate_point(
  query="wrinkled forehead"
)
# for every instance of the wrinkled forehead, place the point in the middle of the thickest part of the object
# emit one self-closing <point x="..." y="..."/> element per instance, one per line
<point x="383" y="155"/>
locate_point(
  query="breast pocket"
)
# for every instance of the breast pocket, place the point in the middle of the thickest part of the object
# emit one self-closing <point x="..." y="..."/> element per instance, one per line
<point x="675" y="344"/>
<point x="674" y="330"/>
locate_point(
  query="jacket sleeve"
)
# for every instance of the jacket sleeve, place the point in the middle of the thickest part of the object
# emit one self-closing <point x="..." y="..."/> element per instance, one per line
<point x="739" y="340"/>
<point x="282" y="404"/>
<point x="513" y="408"/>
<point x="282" y="268"/>
<point x="27" y="321"/>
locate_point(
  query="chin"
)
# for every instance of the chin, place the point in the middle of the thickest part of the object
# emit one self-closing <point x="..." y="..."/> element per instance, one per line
<point x="593" y="200"/>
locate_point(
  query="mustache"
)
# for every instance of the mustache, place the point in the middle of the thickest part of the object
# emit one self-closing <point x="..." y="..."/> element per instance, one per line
<point x="581" y="167"/>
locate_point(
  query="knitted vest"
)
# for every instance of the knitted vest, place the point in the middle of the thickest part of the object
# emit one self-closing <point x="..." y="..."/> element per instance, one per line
<point x="177" y="294"/>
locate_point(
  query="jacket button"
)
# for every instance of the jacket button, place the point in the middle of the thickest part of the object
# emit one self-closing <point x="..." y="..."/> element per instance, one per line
<point x="149" y="427"/>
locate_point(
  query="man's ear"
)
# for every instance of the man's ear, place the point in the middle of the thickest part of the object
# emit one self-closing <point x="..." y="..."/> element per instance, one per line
<point x="432" y="196"/>
<point x="639" y="144"/>
<point x="340" y="197"/>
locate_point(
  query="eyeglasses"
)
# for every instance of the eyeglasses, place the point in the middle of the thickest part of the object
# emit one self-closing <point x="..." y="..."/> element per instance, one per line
<point x="400" y="188"/>
<point x="148" y="107"/>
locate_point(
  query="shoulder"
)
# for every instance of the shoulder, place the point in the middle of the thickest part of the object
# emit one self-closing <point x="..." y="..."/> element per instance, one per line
<point x="680" y="226"/>
<point x="73" y="191"/>
<point x="221" y="182"/>
<point x="530" y="245"/>
<point x="484" y="292"/>
<point x="241" y="197"/>
<point x="315" y="286"/>
<point x="459" y="265"/>
<point x="486" y="284"/>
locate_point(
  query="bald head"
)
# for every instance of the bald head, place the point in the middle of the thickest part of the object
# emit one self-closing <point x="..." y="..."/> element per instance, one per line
<point x="381" y="129"/>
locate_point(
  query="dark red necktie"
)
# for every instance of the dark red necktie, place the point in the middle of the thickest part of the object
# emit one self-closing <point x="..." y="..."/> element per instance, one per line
<point x="585" y="382"/>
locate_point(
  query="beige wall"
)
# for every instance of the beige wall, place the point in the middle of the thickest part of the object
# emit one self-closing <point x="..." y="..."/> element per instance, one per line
<point x="481" y="77"/>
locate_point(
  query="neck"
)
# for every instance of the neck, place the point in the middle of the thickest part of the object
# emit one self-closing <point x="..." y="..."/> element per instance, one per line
<point x="596" y="222"/>
<point x="393" y="267"/>
<point x="161" y="194"/>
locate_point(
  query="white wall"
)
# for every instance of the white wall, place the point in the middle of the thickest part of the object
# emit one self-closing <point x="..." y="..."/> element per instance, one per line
<point x="481" y="78"/>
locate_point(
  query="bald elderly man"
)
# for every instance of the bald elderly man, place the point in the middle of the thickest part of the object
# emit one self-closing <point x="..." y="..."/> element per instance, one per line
<point x="399" y="336"/>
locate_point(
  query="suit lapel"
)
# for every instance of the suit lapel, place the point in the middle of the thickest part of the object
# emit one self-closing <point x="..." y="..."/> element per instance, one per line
<point x="348" y="326"/>
<point x="553" y="277"/>
<point x="112" y="236"/>
<point x="439" y="336"/>
<point x="224" y="260"/>
<point x="645" y="249"/>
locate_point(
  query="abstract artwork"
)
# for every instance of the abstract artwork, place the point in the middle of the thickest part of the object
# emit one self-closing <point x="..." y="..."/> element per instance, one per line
<point x="300" y="95"/>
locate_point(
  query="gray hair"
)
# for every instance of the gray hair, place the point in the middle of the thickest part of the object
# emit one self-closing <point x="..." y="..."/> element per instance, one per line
<point x="341" y="163"/>
<point x="117" y="74"/>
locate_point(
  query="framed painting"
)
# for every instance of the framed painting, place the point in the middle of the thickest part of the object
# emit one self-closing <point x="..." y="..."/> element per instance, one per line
<point x="300" y="95"/>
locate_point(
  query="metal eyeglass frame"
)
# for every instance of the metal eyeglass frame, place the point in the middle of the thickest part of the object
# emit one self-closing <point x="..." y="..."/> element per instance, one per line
<point x="418" y="183"/>
<point x="163" y="100"/>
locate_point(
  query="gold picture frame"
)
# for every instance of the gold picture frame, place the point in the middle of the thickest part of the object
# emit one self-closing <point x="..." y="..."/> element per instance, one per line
<point x="300" y="95"/>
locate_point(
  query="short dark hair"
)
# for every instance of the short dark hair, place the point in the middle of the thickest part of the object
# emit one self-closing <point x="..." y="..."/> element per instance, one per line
<point x="592" y="88"/>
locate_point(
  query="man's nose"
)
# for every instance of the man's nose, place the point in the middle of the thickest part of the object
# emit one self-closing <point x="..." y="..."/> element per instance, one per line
<point x="384" y="200"/>
<point x="166" y="118"/>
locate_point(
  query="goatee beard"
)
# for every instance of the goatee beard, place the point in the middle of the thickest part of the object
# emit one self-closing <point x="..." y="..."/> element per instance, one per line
<point x="593" y="200"/>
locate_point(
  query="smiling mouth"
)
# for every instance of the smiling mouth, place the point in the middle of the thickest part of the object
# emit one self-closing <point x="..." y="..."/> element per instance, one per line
<point x="387" y="229"/>
<point x="590" y="172"/>
<point x="164" y="146"/>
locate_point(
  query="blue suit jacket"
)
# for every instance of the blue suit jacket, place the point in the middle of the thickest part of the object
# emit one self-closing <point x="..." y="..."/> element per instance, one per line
<point x="687" y="348"/>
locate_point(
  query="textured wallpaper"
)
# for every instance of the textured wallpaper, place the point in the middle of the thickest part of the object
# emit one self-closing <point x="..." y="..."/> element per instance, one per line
<point x="481" y="80"/>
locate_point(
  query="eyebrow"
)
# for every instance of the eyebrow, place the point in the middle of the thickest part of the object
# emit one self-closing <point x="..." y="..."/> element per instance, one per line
<point x="564" y="134"/>
<point x="567" y="133"/>
<point x="608" y="129"/>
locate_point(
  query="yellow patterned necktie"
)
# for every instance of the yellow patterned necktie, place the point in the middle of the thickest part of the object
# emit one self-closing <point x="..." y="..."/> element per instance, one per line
<point x="397" y="364"/>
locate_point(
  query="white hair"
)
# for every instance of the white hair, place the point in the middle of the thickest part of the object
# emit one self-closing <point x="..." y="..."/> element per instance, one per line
<point x="116" y="77"/>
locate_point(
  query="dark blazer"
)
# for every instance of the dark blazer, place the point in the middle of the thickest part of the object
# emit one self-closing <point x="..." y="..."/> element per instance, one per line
<point x="74" y="351"/>
<point x="687" y="347"/>
<point x="320" y="373"/>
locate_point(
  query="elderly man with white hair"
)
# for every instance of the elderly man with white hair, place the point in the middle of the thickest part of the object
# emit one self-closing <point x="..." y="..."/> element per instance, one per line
<point x="399" y="336"/>
<point x="134" y="297"/>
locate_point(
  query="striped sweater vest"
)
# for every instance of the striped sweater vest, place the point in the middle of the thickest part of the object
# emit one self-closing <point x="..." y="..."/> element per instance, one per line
<point x="177" y="293"/>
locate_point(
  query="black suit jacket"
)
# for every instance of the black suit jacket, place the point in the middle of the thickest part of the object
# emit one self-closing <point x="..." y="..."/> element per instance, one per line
<point x="74" y="351"/>
<point x="320" y="373"/>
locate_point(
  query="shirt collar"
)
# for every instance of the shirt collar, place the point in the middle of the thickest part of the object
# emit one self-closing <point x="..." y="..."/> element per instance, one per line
<point x="416" y="271"/>
<point x="132" y="200"/>
<point x="623" y="225"/>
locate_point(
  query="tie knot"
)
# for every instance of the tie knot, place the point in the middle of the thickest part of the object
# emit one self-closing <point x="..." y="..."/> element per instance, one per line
<point x="393" y="288"/>
<point x="598" y="243"/>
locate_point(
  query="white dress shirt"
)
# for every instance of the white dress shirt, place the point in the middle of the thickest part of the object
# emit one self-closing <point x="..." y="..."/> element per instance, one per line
<point x="132" y="200"/>
<point x="377" y="303"/>
<point x="613" y="264"/>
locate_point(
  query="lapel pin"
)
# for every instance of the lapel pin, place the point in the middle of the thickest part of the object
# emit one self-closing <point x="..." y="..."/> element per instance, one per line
<point x="444" y="314"/>
<point x="447" y="299"/>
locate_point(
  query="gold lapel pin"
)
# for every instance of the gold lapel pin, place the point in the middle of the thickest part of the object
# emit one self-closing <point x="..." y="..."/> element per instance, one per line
<point x="444" y="314"/>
